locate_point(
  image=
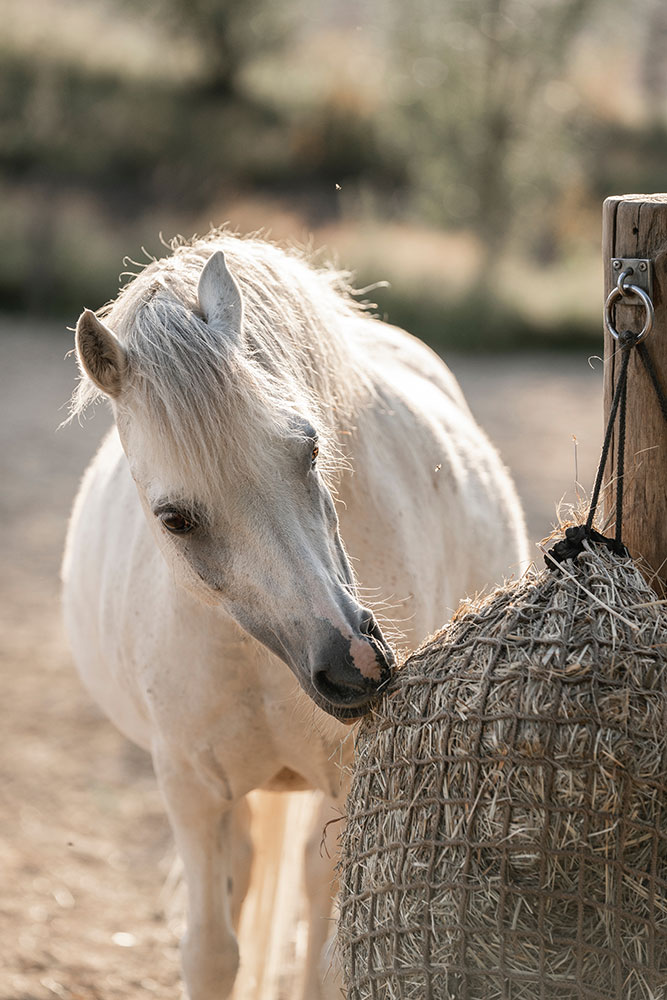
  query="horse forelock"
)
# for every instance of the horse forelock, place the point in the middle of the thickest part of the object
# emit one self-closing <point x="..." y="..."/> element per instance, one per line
<point x="209" y="404"/>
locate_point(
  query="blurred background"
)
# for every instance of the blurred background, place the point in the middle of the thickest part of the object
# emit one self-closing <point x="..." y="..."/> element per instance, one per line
<point x="457" y="151"/>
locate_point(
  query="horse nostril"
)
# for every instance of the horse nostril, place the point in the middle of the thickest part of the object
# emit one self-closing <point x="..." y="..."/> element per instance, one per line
<point x="337" y="692"/>
<point x="324" y="681"/>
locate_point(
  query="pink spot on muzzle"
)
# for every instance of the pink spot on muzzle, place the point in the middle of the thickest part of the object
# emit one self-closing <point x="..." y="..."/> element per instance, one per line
<point x="364" y="657"/>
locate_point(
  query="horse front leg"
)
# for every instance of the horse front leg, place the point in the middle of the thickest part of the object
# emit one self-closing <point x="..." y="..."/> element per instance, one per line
<point x="216" y="872"/>
<point x="321" y="974"/>
<point x="242" y="855"/>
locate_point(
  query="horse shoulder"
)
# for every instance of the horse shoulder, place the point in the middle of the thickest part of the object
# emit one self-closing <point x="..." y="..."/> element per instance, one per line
<point x="103" y="528"/>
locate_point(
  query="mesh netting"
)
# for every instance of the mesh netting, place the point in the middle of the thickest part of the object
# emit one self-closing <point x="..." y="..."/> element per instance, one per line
<point x="506" y="833"/>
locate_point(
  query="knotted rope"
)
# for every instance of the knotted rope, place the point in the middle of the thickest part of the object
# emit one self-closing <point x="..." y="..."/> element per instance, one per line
<point x="573" y="543"/>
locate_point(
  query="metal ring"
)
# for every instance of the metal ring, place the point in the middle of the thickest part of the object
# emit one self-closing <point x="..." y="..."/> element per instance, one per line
<point x="629" y="291"/>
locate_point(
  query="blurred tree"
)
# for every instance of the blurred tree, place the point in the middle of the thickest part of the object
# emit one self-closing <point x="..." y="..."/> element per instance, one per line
<point x="230" y="33"/>
<point x="485" y="102"/>
<point x="653" y="68"/>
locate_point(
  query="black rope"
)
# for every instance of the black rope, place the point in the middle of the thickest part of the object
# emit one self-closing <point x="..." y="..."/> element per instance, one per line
<point x="618" y="393"/>
<point x="575" y="537"/>
<point x="620" y="460"/>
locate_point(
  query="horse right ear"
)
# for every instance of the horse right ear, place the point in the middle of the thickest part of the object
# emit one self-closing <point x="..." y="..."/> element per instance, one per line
<point x="100" y="353"/>
<point x="220" y="297"/>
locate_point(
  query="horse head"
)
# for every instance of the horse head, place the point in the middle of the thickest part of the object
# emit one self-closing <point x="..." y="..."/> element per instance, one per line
<point x="227" y="462"/>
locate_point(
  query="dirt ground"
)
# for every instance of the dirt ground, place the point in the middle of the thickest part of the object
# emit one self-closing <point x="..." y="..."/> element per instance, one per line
<point x="84" y="846"/>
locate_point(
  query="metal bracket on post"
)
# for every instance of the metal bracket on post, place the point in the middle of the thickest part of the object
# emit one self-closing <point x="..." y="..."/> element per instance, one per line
<point x="632" y="284"/>
<point x="636" y="271"/>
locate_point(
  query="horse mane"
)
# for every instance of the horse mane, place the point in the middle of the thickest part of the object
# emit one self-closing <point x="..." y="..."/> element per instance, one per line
<point x="298" y="358"/>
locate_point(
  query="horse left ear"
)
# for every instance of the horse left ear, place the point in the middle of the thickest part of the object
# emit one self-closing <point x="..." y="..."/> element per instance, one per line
<point x="101" y="355"/>
<point x="220" y="297"/>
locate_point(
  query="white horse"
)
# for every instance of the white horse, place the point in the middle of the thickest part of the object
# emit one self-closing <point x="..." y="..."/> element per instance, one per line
<point x="268" y="433"/>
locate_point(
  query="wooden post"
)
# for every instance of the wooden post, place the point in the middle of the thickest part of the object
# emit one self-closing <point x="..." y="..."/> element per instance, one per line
<point x="635" y="225"/>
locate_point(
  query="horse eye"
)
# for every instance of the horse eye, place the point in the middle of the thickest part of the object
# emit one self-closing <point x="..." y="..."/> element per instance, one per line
<point x="313" y="457"/>
<point x="176" y="522"/>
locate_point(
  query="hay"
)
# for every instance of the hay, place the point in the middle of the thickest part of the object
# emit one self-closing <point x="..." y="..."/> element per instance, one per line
<point x="506" y="833"/>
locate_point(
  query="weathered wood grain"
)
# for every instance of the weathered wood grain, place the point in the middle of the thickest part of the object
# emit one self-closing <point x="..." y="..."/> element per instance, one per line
<point x="636" y="226"/>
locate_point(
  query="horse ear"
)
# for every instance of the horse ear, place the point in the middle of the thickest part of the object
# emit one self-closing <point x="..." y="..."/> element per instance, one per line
<point x="100" y="354"/>
<point x="219" y="296"/>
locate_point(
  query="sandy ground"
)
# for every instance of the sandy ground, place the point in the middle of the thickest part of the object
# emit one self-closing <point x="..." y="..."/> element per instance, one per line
<point x="84" y="846"/>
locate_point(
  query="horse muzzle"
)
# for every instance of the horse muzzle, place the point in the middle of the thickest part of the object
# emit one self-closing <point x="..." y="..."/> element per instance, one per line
<point x="350" y="672"/>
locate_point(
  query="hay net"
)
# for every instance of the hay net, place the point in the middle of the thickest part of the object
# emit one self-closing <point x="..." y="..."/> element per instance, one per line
<point x="506" y="833"/>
